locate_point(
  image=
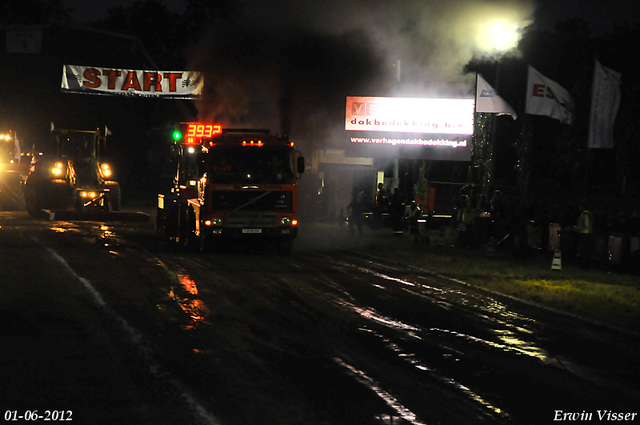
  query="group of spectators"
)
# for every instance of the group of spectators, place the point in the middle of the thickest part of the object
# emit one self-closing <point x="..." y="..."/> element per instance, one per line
<point x="503" y="220"/>
<point x="392" y="202"/>
<point x="481" y="218"/>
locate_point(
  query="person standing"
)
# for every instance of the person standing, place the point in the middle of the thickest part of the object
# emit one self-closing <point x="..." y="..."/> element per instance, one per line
<point x="414" y="213"/>
<point x="355" y="208"/>
<point x="396" y="210"/>
<point x="380" y="205"/>
<point x="584" y="229"/>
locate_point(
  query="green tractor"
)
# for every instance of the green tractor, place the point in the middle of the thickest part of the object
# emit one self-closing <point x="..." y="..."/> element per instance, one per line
<point x="74" y="177"/>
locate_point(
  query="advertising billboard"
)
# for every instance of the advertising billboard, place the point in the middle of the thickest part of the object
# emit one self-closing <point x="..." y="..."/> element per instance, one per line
<point x="431" y="128"/>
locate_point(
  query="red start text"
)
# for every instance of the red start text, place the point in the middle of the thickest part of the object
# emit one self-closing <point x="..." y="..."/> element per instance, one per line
<point x="115" y="80"/>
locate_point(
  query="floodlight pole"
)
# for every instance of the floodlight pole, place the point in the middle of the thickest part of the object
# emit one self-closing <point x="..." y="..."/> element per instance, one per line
<point x="494" y="136"/>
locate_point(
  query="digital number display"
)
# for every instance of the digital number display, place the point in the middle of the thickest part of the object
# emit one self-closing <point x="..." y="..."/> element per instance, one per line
<point x="198" y="130"/>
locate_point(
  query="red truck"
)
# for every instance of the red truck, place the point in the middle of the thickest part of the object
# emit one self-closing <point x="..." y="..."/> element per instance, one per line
<point x="232" y="185"/>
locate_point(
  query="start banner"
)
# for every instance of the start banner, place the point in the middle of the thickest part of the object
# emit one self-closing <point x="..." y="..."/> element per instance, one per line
<point x="127" y="82"/>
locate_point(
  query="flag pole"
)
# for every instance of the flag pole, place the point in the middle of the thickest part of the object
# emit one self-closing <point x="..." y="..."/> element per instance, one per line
<point x="475" y="123"/>
<point x="494" y="134"/>
<point x="587" y="165"/>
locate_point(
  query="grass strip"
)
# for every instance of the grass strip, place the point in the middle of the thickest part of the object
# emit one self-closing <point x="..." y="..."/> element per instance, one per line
<point x="604" y="292"/>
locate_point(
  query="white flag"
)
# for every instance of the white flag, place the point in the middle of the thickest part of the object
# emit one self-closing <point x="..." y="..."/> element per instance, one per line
<point x="488" y="100"/>
<point x="605" y="100"/>
<point x="16" y="152"/>
<point x="546" y="97"/>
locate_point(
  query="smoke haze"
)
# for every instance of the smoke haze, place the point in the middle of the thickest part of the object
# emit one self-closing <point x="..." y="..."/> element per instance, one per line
<point x="289" y="65"/>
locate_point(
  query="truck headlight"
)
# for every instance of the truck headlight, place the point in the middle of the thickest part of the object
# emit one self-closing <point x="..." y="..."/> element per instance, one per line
<point x="88" y="194"/>
<point x="58" y="169"/>
<point x="215" y="221"/>
<point x="106" y="170"/>
<point x="288" y="221"/>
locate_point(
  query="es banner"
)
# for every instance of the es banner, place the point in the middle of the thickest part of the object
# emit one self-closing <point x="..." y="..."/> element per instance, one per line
<point x="126" y="82"/>
<point x="546" y="97"/>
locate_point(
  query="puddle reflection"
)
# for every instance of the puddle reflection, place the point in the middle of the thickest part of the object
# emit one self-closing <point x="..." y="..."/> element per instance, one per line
<point x="388" y="398"/>
<point x="419" y="364"/>
<point x="106" y="231"/>
<point x="183" y="294"/>
<point x="64" y="227"/>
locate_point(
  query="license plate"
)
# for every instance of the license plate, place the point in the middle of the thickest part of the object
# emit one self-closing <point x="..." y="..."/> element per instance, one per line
<point x="251" y="230"/>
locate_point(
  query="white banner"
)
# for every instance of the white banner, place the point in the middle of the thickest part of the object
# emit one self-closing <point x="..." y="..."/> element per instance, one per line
<point x="546" y="97"/>
<point x="488" y="100"/>
<point x="605" y="100"/>
<point x="126" y="82"/>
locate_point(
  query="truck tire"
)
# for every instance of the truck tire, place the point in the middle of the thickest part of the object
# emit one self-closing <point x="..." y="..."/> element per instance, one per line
<point x="190" y="241"/>
<point x="78" y="204"/>
<point x="32" y="202"/>
<point x="115" y="196"/>
<point x="284" y="246"/>
<point x="11" y="196"/>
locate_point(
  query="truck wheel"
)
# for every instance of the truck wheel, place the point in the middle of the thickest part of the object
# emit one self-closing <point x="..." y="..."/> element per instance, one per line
<point x="106" y="205"/>
<point x="11" y="196"/>
<point x="160" y="223"/>
<point x="32" y="202"/>
<point x="191" y="242"/>
<point x="78" y="203"/>
<point x="284" y="246"/>
<point x="207" y="243"/>
<point x="115" y="196"/>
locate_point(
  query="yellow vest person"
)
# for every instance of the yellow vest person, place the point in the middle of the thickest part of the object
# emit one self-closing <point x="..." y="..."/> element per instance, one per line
<point x="585" y="222"/>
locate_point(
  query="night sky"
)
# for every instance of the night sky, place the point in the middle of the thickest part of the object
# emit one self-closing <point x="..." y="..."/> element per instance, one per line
<point x="85" y="11"/>
<point x="602" y="15"/>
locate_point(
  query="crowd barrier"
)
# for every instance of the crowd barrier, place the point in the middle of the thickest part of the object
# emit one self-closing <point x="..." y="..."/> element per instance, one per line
<point x="610" y="248"/>
<point x="616" y="249"/>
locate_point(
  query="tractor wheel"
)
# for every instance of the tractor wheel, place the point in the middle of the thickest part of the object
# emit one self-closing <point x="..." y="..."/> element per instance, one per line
<point x="115" y="196"/>
<point x="32" y="202"/>
<point x="11" y="196"/>
<point x="78" y="204"/>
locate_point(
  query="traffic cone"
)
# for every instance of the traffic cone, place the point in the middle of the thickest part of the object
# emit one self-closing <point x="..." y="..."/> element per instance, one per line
<point x="556" y="264"/>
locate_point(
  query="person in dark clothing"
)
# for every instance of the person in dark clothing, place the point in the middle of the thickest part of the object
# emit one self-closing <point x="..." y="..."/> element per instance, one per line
<point x="380" y="205"/>
<point x="355" y="209"/>
<point x="460" y="204"/>
<point x="396" y="210"/>
<point x="584" y="230"/>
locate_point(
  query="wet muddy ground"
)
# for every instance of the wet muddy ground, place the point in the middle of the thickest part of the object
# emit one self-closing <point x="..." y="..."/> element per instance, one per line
<point x="102" y="322"/>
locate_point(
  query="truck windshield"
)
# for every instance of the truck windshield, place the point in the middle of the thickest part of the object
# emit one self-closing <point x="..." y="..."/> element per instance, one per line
<point x="250" y="164"/>
<point x="78" y="145"/>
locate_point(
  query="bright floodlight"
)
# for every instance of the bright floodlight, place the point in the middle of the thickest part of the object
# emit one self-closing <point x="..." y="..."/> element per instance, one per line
<point x="504" y="36"/>
<point x="499" y="36"/>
